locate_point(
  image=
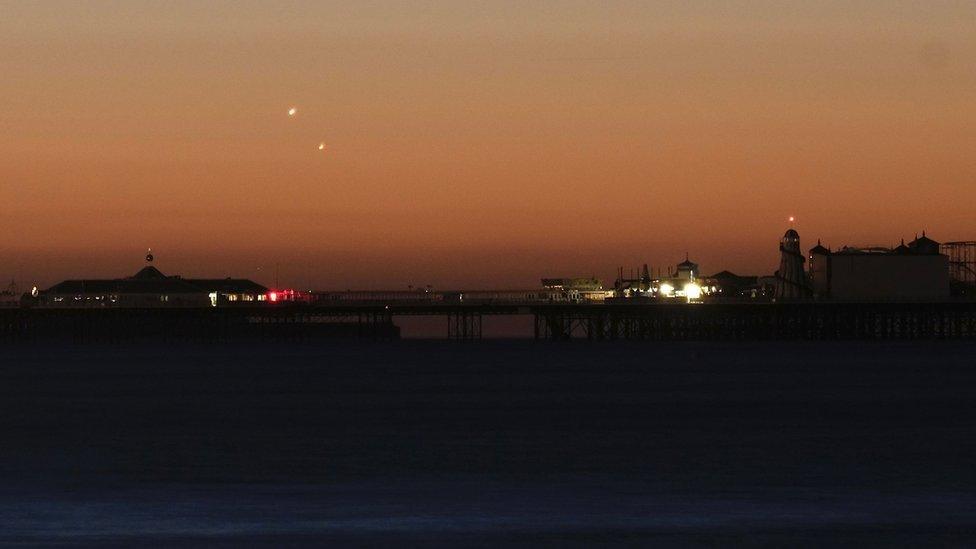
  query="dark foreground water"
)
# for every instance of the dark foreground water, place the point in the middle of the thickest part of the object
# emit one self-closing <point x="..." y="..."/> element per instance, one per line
<point x="492" y="443"/>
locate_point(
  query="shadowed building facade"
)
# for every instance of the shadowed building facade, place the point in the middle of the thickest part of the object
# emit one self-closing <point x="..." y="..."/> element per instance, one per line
<point x="913" y="271"/>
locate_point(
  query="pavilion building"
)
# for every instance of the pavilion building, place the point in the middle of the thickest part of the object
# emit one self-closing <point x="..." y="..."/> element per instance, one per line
<point x="151" y="288"/>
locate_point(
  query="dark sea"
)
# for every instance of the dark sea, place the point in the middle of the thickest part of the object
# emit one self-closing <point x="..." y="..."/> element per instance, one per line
<point x="491" y="444"/>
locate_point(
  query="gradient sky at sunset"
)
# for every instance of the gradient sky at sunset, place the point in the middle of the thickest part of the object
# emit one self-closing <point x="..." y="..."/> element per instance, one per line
<point x="475" y="143"/>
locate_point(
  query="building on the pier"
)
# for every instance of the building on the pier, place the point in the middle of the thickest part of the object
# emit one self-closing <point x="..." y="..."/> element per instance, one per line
<point x="150" y="288"/>
<point x="683" y="281"/>
<point x="726" y="284"/>
<point x="687" y="270"/>
<point x="818" y="270"/>
<point x="241" y="290"/>
<point x="913" y="271"/>
<point x="791" y="281"/>
<point x="633" y="286"/>
<point x="575" y="289"/>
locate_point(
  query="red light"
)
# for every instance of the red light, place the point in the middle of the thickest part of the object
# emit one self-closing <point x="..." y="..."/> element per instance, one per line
<point x="272" y="296"/>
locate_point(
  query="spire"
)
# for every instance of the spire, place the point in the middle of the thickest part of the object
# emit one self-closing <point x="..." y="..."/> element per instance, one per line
<point x="902" y="248"/>
<point x="149" y="256"/>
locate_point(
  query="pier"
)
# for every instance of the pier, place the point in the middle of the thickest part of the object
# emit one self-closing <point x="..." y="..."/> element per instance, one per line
<point x="760" y="321"/>
<point x="800" y="320"/>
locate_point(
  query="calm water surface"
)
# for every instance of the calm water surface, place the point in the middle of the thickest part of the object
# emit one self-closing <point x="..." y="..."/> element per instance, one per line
<point x="492" y="443"/>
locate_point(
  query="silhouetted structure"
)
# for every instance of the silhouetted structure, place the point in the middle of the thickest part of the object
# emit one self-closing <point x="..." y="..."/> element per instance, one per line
<point x="683" y="281"/>
<point x="10" y="297"/>
<point x="801" y="319"/>
<point x="687" y="270"/>
<point x="575" y="289"/>
<point x="633" y="287"/>
<point x="962" y="267"/>
<point x="727" y="284"/>
<point x="791" y="281"/>
<point x="150" y="288"/>
<point x="913" y="271"/>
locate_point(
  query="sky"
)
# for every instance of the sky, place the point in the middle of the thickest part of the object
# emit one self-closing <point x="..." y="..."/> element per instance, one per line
<point x="475" y="144"/>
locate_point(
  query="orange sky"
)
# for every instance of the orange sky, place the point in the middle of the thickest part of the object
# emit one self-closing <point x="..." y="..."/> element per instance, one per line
<point x="475" y="143"/>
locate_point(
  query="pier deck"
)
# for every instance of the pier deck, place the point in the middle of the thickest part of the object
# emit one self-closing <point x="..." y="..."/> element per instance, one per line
<point x="561" y="321"/>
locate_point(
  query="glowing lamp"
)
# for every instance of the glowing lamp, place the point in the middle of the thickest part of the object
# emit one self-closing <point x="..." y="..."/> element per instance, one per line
<point x="666" y="289"/>
<point x="273" y="297"/>
<point x="692" y="291"/>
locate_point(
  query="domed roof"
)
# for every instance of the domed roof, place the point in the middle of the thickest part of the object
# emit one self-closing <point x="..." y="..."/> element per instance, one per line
<point x="819" y="249"/>
<point x="687" y="263"/>
<point x="791" y="242"/>
<point x="149" y="273"/>
<point x="902" y="248"/>
<point x="924" y="245"/>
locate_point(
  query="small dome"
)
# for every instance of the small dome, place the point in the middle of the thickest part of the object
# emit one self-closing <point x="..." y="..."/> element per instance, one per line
<point x="819" y="249"/>
<point x="790" y="241"/>
<point x="924" y="245"/>
<point x="687" y="263"/>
